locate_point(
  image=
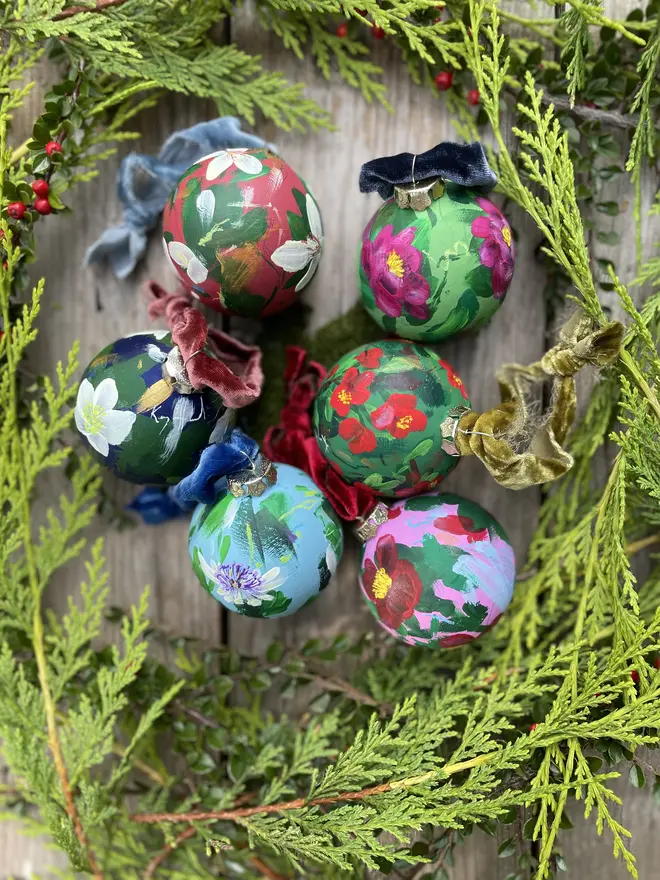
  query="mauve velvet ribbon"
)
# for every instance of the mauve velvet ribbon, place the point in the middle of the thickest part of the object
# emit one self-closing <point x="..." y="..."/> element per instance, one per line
<point x="234" y="371"/>
<point x="293" y="442"/>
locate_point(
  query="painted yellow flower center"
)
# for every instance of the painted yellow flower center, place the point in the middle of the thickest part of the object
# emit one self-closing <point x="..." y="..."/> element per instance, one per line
<point x="404" y="423"/>
<point x="382" y="584"/>
<point x="92" y="415"/>
<point x="395" y="264"/>
<point x="506" y="235"/>
<point x="345" y="396"/>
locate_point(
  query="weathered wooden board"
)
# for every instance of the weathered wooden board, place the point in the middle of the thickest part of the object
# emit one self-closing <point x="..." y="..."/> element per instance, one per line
<point x="94" y="308"/>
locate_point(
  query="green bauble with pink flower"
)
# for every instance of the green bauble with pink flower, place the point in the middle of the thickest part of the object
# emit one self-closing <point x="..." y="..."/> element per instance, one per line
<point x="378" y="417"/>
<point x="428" y="274"/>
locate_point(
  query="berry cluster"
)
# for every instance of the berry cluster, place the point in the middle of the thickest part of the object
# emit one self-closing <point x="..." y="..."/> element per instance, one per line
<point x="40" y="188"/>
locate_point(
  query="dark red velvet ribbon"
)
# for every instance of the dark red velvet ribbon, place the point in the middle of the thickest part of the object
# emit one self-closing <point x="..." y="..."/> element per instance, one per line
<point x="233" y="369"/>
<point x="293" y="442"/>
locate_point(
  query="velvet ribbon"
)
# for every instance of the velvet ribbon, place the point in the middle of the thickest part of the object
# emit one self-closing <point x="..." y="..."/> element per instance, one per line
<point x="203" y="485"/>
<point x="464" y="164"/>
<point x="144" y="183"/>
<point x="293" y="442"/>
<point x="232" y="369"/>
<point x="517" y="452"/>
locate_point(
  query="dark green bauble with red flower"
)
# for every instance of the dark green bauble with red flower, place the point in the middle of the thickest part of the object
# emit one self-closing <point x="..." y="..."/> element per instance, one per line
<point x="378" y="417"/>
<point x="426" y="275"/>
<point x="243" y="232"/>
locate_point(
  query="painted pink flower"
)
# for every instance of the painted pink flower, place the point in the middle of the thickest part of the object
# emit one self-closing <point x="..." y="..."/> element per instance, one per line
<point x="497" y="250"/>
<point x="391" y="264"/>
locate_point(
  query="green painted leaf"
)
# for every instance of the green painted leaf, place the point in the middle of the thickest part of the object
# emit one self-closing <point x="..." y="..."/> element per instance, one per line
<point x="421" y="449"/>
<point x="224" y="548"/>
<point x="276" y="606"/>
<point x="373" y="480"/>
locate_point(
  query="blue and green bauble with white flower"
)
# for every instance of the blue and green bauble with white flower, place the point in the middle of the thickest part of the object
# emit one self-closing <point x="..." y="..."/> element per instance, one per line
<point x="268" y="554"/>
<point x="139" y="418"/>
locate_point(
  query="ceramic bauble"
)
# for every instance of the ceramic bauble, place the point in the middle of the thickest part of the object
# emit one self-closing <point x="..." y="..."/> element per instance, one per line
<point x="243" y="232"/>
<point x="378" y="417"/>
<point x="136" y="421"/>
<point x="428" y="274"/>
<point x="267" y="556"/>
<point x="439" y="572"/>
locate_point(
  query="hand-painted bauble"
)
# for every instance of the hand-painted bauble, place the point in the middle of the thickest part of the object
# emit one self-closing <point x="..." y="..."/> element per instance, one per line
<point x="269" y="555"/>
<point x="243" y="232"/>
<point x="378" y="417"/>
<point x="440" y="572"/>
<point x="136" y="421"/>
<point x="426" y="275"/>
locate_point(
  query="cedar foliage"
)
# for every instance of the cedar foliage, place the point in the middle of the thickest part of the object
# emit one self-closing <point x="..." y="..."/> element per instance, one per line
<point x="505" y="732"/>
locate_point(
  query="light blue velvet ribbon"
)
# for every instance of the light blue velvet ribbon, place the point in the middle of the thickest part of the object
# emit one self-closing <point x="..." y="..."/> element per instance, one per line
<point x="145" y="182"/>
<point x="217" y="462"/>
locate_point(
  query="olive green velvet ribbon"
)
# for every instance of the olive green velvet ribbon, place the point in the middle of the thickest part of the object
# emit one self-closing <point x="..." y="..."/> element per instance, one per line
<point x="517" y="448"/>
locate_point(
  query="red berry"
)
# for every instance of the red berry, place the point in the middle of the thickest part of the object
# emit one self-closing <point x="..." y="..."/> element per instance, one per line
<point x="444" y="80"/>
<point x="52" y="147"/>
<point x="40" y="188"/>
<point x="473" y="97"/>
<point x="342" y="30"/>
<point x="16" y="210"/>
<point x="532" y="728"/>
<point x="42" y="206"/>
<point x="5" y="265"/>
<point x="635" y="676"/>
<point x="656" y="662"/>
<point x="377" y="33"/>
<point x="590" y="104"/>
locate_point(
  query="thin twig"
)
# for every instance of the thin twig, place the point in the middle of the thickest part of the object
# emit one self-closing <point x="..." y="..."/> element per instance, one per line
<point x="301" y="803"/>
<point x="101" y="6"/>
<point x="166" y="850"/>
<point x="591" y="114"/>
<point x="266" y="870"/>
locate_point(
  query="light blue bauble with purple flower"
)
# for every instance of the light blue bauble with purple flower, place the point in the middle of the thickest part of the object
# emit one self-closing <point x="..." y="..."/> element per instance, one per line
<point x="269" y="555"/>
<point x="426" y="275"/>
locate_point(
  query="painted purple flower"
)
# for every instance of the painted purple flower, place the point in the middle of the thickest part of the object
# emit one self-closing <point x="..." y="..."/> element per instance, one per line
<point x="391" y="264"/>
<point x="497" y="250"/>
<point x="239" y="584"/>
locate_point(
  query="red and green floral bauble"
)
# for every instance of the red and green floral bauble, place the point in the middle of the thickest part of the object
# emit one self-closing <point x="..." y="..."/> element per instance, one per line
<point x="243" y="232"/>
<point x="439" y="572"/>
<point x="426" y="275"/>
<point x="378" y="417"/>
<point x="136" y="421"/>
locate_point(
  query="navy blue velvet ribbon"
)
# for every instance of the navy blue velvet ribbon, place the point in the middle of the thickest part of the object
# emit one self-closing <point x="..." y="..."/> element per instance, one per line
<point x="145" y="182"/>
<point x="217" y="462"/>
<point x="464" y="164"/>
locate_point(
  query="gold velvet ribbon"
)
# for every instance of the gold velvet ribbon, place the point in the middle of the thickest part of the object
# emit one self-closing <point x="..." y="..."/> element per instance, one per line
<point x="518" y="449"/>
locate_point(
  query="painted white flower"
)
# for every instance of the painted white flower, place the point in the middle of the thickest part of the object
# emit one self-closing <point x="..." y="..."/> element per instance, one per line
<point x="239" y="584"/>
<point x="188" y="260"/>
<point x="96" y="416"/>
<point x="224" y="159"/>
<point x="293" y="256"/>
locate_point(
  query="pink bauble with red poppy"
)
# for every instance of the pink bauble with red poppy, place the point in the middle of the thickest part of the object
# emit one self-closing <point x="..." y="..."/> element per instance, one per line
<point x="440" y="572"/>
<point x="243" y="232"/>
<point x="378" y="416"/>
<point x="426" y="275"/>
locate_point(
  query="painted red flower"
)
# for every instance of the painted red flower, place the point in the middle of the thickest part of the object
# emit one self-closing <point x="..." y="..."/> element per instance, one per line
<point x="393" y="512"/>
<point x="360" y="439"/>
<point x="414" y="480"/>
<point x="399" y="416"/>
<point x="455" y="640"/>
<point x="454" y="380"/>
<point x="392" y="266"/>
<point x="351" y="391"/>
<point x="370" y="358"/>
<point x="391" y="583"/>
<point x="461" y="525"/>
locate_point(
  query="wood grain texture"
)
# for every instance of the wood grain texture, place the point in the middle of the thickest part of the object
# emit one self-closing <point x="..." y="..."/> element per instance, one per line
<point x="93" y="307"/>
